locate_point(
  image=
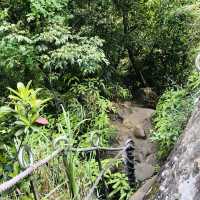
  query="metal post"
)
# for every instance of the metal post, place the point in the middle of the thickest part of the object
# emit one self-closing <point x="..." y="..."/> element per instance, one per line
<point x="129" y="162"/>
<point x="98" y="158"/>
<point x="95" y="143"/>
<point x="24" y="165"/>
<point x="34" y="188"/>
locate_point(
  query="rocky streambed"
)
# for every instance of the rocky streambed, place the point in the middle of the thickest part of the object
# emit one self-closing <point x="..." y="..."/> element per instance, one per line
<point x="133" y="121"/>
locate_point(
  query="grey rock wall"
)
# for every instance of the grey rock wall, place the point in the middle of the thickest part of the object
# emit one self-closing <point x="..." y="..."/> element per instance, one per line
<point x="179" y="178"/>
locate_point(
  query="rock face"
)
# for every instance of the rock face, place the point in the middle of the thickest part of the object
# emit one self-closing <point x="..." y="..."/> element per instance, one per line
<point x="143" y="190"/>
<point x="180" y="177"/>
<point x="135" y="122"/>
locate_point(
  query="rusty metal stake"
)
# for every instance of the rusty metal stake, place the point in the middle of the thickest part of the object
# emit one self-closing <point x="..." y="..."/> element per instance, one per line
<point x="34" y="188"/>
<point x="98" y="158"/>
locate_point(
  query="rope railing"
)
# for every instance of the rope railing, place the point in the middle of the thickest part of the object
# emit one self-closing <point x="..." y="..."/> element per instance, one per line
<point x="8" y="184"/>
<point x="127" y="152"/>
<point x="29" y="170"/>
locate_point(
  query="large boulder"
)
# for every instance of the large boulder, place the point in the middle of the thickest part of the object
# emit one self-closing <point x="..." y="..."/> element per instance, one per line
<point x="146" y="97"/>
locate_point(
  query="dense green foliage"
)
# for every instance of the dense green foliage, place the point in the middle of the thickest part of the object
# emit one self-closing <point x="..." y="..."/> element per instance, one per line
<point x="85" y="54"/>
<point x="172" y="113"/>
<point x="156" y="36"/>
<point x="57" y="44"/>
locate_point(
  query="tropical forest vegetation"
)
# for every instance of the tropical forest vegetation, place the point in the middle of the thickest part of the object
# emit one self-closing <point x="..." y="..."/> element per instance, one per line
<point x="64" y="64"/>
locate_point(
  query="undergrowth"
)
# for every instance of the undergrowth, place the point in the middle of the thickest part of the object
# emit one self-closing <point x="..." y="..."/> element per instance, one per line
<point x="78" y="122"/>
<point x="172" y="113"/>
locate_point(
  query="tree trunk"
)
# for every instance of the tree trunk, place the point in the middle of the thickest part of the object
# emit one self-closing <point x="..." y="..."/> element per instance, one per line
<point x="180" y="177"/>
<point x="130" y="48"/>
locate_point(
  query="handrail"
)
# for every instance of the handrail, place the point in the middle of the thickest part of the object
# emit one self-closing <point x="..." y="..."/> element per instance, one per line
<point x="128" y="161"/>
<point x="10" y="183"/>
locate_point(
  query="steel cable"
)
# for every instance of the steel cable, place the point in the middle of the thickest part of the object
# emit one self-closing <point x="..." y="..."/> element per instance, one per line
<point x="108" y="166"/>
<point x="10" y="183"/>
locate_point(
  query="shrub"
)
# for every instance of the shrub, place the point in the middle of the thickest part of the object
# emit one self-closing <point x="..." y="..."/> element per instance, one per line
<point x="172" y="112"/>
